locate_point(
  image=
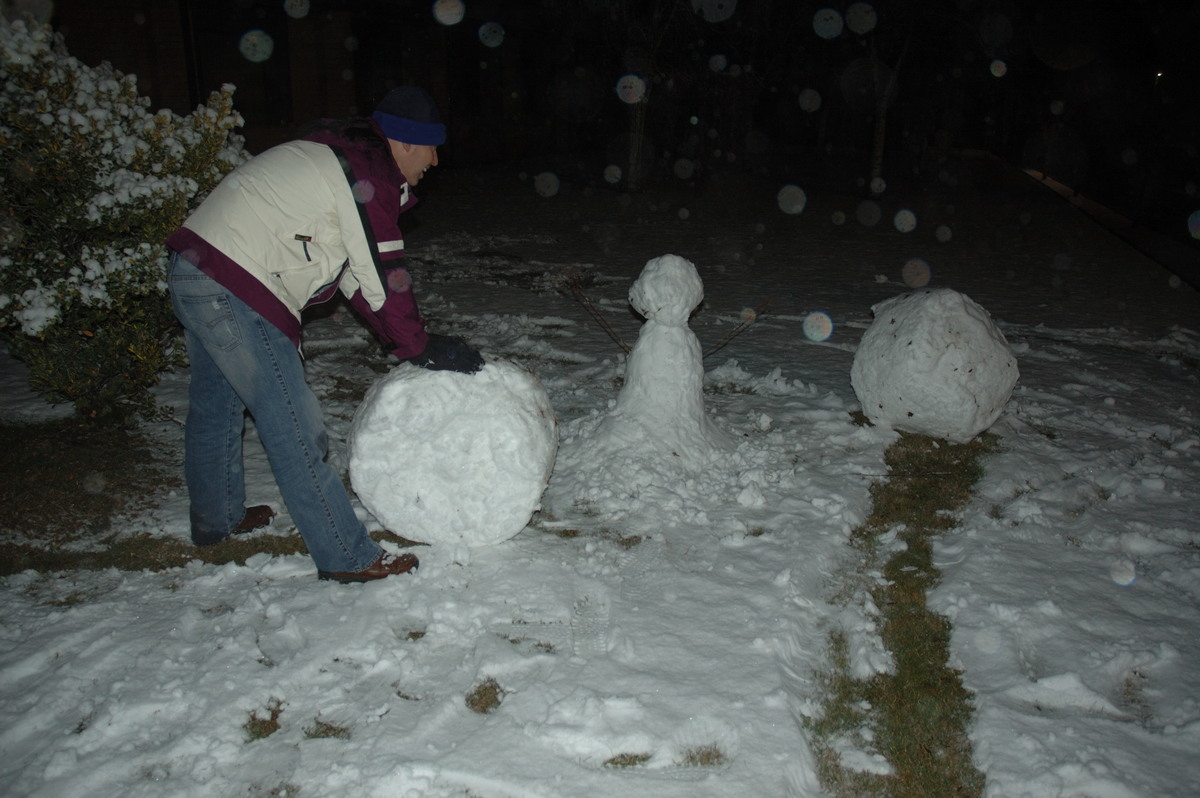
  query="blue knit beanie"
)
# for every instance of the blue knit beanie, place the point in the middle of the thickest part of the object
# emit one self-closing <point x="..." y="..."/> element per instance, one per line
<point x="408" y="114"/>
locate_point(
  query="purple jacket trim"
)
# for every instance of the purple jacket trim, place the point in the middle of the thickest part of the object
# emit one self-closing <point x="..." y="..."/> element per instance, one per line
<point x="403" y="340"/>
<point x="225" y="271"/>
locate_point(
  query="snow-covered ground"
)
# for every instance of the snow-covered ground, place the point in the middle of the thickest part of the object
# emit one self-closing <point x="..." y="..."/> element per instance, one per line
<point x="691" y="614"/>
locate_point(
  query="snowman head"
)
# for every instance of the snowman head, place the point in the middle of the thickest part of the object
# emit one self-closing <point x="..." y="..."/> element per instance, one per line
<point x="668" y="290"/>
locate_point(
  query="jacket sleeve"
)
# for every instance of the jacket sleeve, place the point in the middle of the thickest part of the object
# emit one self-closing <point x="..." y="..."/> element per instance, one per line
<point x="397" y="322"/>
<point x="367" y="213"/>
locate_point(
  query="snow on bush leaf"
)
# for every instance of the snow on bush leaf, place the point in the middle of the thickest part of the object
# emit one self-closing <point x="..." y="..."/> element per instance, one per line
<point x="94" y="185"/>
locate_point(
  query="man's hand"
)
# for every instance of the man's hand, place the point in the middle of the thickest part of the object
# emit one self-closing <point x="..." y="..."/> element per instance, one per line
<point x="444" y="353"/>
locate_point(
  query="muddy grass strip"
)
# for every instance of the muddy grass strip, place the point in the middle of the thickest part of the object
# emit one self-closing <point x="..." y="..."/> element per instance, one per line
<point x="916" y="717"/>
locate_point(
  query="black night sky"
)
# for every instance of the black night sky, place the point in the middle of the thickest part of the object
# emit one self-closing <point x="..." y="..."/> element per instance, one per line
<point x="1101" y="95"/>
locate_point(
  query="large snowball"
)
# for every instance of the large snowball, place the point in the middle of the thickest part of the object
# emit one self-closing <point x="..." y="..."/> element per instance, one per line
<point x="447" y="458"/>
<point x="933" y="362"/>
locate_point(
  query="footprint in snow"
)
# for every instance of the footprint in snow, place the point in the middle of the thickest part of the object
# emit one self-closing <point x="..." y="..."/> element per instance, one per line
<point x="641" y="571"/>
<point x="590" y="618"/>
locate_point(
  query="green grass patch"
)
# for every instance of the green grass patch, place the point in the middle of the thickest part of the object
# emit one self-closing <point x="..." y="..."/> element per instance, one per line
<point x="917" y="717"/>
<point x="322" y="730"/>
<point x="64" y="484"/>
<point x="537" y="645"/>
<point x="283" y="790"/>
<point x="143" y="552"/>
<point x="845" y="716"/>
<point x="485" y="696"/>
<point x="728" y="389"/>
<point x="68" y="478"/>
<point x="704" y="756"/>
<point x="627" y="760"/>
<point x="261" y="726"/>
<point x="611" y="535"/>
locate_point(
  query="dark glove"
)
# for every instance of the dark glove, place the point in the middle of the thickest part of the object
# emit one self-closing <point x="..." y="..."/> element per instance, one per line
<point x="444" y="353"/>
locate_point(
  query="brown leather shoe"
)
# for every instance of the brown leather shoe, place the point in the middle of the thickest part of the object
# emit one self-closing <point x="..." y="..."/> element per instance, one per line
<point x="385" y="566"/>
<point x="253" y="518"/>
<point x="256" y="517"/>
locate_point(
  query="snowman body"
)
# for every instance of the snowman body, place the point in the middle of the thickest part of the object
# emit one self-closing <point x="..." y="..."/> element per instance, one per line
<point x="661" y="403"/>
<point x="657" y="435"/>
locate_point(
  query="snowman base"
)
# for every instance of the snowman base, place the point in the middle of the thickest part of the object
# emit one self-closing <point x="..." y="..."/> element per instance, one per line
<point x="934" y="363"/>
<point x="440" y="457"/>
<point x="657" y="435"/>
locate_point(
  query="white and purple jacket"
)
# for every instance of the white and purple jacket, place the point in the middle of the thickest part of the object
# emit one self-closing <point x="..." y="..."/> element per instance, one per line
<point x="286" y="230"/>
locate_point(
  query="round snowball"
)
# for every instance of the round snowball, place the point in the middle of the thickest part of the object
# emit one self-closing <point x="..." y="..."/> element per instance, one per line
<point x="448" y="458"/>
<point x="933" y="362"/>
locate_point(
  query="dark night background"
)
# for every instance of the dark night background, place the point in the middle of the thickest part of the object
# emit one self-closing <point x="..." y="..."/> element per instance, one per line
<point x="1102" y="96"/>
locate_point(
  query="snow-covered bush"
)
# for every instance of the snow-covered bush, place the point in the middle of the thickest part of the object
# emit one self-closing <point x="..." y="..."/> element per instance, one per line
<point x="91" y="185"/>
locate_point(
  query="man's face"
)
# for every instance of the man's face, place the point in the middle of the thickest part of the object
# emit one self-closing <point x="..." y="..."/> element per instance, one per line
<point x="413" y="159"/>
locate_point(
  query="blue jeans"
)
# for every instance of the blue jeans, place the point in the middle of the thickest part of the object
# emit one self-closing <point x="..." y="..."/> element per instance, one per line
<point x="241" y="362"/>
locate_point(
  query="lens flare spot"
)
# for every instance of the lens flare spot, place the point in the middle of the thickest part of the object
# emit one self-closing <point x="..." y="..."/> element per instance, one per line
<point x="631" y="89"/>
<point x="878" y="185"/>
<point x="916" y="273"/>
<point x="491" y="34"/>
<point x="868" y="213"/>
<point x="861" y="18"/>
<point x="818" y="326"/>
<point x="905" y="221"/>
<point x="612" y="173"/>
<point x="546" y="184"/>
<point x="1123" y="572"/>
<point x="717" y="63"/>
<point x="998" y="68"/>
<point x="943" y="233"/>
<point x="256" y="45"/>
<point x="828" y="23"/>
<point x="715" y="10"/>
<point x="791" y="200"/>
<point x="995" y="30"/>
<point x="449" y="12"/>
<point x="685" y="168"/>
<point x="296" y="9"/>
<point x="364" y="191"/>
<point x="1194" y="223"/>
<point x="12" y="232"/>
<point x="810" y="100"/>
